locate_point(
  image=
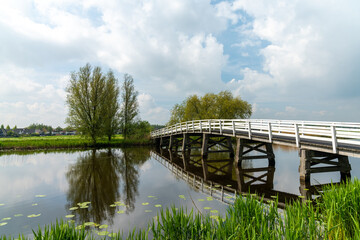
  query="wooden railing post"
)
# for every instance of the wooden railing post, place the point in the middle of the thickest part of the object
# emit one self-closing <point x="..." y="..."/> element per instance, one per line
<point x="209" y="122"/>
<point x="297" y="137"/>
<point x="233" y="125"/>
<point x="220" y="126"/>
<point x="249" y="129"/>
<point x="333" y="138"/>
<point x="270" y="132"/>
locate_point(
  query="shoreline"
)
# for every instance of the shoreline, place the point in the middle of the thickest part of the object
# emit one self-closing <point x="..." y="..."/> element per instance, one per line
<point x="66" y="143"/>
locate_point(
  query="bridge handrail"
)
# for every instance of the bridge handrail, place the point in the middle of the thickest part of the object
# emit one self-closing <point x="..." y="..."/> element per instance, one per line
<point x="332" y="132"/>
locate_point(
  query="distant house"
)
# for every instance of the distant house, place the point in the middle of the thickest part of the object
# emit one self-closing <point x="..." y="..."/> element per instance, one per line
<point x="71" y="133"/>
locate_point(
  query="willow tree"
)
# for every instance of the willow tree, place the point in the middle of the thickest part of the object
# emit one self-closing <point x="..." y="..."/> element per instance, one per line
<point x="210" y="106"/>
<point x="89" y="101"/>
<point x="130" y="107"/>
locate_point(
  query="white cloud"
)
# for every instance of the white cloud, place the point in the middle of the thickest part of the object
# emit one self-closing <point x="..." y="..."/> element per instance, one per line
<point x="309" y="51"/>
<point x="150" y="111"/>
<point x="310" y="55"/>
<point x="168" y="47"/>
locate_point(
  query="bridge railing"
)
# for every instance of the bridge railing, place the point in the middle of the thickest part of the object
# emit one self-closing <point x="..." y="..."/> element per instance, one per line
<point x="334" y="133"/>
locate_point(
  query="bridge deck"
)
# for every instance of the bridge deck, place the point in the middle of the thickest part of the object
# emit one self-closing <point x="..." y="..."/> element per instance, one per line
<point x="334" y="137"/>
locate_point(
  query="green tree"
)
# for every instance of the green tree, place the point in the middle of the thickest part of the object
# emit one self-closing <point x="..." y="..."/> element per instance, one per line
<point x="2" y="126"/>
<point x="111" y="119"/>
<point x="141" y="130"/>
<point x="58" y="129"/>
<point x="210" y="106"/>
<point x="87" y="101"/>
<point x="40" y="126"/>
<point x="130" y="107"/>
<point x="8" y="127"/>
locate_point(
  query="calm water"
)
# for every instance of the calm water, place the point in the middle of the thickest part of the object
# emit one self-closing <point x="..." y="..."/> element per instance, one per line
<point x="125" y="187"/>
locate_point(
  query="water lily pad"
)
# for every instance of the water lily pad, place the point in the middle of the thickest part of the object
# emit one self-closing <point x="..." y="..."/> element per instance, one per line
<point x="217" y="185"/>
<point x="148" y="210"/>
<point x="71" y="221"/>
<point x="70" y="216"/>
<point x="229" y="185"/>
<point x="214" y="217"/>
<point x="83" y="204"/>
<point x="2" y="204"/>
<point x="103" y="226"/>
<point x="3" y="224"/>
<point x="158" y="205"/>
<point x="228" y="197"/>
<point x="89" y="224"/>
<point x="18" y="215"/>
<point x="79" y="227"/>
<point x="301" y="196"/>
<point x="145" y="203"/>
<point x="121" y="211"/>
<point x="40" y="196"/>
<point x="103" y="233"/>
<point x="151" y="196"/>
<point x="5" y="219"/>
<point x="182" y="196"/>
<point x="201" y="199"/>
<point x="274" y="197"/>
<point x="73" y="208"/>
<point x="112" y="235"/>
<point x="214" y="211"/>
<point x="113" y="205"/>
<point x="34" y="215"/>
<point x="306" y="189"/>
<point x="209" y="199"/>
<point x="34" y="204"/>
<point x="207" y="208"/>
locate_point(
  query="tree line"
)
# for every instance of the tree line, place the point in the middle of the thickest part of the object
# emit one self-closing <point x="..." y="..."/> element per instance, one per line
<point x="98" y="107"/>
<point x="210" y="106"/>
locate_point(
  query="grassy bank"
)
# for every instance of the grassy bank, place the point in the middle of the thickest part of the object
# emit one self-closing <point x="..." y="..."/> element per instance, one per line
<point x="53" y="142"/>
<point x="337" y="216"/>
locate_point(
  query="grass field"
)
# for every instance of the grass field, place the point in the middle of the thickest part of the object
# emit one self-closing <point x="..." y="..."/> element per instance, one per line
<point x="76" y="141"/>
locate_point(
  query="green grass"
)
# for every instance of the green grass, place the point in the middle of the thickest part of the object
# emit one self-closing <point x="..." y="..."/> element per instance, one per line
<point x="335" y="217"/>
<point x="65" y="142"/>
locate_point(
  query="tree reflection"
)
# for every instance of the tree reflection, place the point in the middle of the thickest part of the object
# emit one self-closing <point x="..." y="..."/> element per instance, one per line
<point x="130" y="160"/>
<point x="96" y="178"/>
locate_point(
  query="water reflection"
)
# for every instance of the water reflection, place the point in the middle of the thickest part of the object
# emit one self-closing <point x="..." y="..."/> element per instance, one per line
<point x="221" y="170"/>
<point x="98" y="176"/>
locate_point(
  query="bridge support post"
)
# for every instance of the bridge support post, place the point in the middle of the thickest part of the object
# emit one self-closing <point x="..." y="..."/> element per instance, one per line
<point x="310" y="158"/>
<point x="157" y="142"/>
<point x="185" y="142"/>
<point x="171" y="142"/>
<point x="265" y="178"/>
<point x="245" y="146"/>
<point x="210" y="141"/>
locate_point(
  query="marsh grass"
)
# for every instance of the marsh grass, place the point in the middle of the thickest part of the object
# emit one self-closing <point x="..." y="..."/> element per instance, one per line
<point x="335" y="217"/>
<point x="341" y="209"/>
<point x="73" y="141"/>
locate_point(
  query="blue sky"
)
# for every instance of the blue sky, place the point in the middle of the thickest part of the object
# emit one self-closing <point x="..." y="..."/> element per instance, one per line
<point x="289" y="59"/>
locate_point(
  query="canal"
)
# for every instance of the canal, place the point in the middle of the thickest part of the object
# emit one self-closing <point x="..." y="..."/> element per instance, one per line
<point x="121" y="188"/>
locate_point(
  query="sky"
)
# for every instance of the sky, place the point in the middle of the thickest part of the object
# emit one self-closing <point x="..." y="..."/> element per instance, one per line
<point x="289" y="59"/>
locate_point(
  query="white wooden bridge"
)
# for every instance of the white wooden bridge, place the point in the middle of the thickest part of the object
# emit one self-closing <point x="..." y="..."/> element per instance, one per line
<point x="318" y="142"/>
